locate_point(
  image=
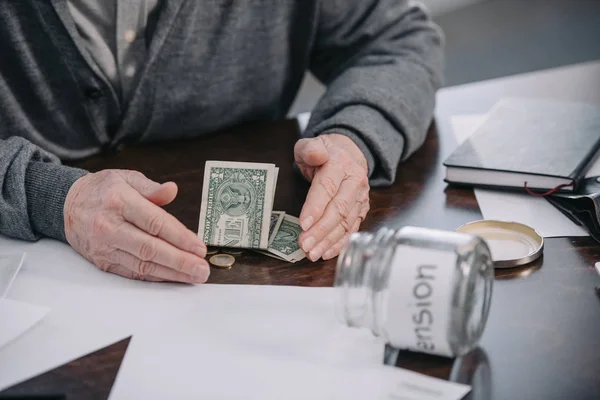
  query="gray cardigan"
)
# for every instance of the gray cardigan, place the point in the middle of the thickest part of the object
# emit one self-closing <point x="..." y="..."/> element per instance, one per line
<point x="210" y="65"/>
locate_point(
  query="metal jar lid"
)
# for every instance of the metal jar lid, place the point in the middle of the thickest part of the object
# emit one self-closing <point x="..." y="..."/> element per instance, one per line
<point x="511" y="243"/>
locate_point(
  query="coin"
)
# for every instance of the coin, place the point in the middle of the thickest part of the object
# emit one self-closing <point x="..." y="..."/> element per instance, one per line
<point x="222" y="260"/>
<point x="211" y="250"/>
<point x="235" y="252"/>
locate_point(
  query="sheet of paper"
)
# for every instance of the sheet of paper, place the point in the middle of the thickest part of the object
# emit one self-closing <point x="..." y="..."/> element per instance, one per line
<point x="10" y="265"/>
<point x="518" y="207"/>
<point x="399" y="384"/>
<point x="16" y="318"/>
<point x="533" y="211"/>
<point x="187" y="339"/>
<point x="223" y="334"/>
<point x="81" y="318"/>
<point x="464" y="125"/>
<point x="92" y="309"/>
<point x="594" y="169"/>
<point x="303" y="119"/>
<point x="296" y="354"/>
<point x="202" y="371"/>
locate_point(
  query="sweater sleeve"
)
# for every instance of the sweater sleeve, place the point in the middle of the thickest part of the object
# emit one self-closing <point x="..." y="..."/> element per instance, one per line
<point x="33" y="186"/>
<point x="382" y="63"/>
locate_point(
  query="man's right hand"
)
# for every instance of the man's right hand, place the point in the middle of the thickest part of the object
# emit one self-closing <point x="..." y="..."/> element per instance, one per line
<point x="115" y="220"/>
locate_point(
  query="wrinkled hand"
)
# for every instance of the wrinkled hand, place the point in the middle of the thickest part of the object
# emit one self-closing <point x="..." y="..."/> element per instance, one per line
<point x="115" y="220"/>
<point x="338" y="199"/>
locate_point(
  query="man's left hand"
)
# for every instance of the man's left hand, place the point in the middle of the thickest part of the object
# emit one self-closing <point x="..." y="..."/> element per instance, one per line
<point x="338" y="199"/>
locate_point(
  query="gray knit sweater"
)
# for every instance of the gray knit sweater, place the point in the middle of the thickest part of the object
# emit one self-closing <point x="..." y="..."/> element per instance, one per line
<point x="211" y="64"/>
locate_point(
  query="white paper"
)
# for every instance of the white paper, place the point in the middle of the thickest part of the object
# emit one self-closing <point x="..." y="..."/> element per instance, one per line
<point x="10" y="265"/>
<point x="299" y="353"/>
<point x="535" y="212"/>
<point x="16" y="318"/>
<point x="82" y="318"/>
<point x="594" y="169"/>
<point x="92" y="309"/>
<point x="303" y="119"/>
<point x="392" y="383"/>
<point x="260" y="337"/>
<point x="464" y="125"/>
<point x="188" y="339"/>
<point x="207" y="372"/>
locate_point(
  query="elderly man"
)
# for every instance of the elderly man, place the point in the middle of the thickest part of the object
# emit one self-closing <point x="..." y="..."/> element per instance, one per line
<point x="78" y="77"/>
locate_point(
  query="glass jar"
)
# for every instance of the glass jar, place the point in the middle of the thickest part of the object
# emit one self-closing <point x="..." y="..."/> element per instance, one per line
<point x="419" y="289"/>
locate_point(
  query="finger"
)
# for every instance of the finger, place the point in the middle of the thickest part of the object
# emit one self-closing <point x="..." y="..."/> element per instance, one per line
<point x="336" y="234"/>
<point x="144" y="270"/>
<point x="164" y="195"/>
<point x="336" y="249"/>
<point x="159" y="194"/>
<point x="337" y="211"/>
<point x="356" y="225"/>
<point x="310" y="152"/>
<point x="120" y="270"/>
<point x="364" y="209"/>
<point x="153" y="249"/>
<point x="157" y="222"/>
<point x="324" y="187"/>
<point x="139" y="182"/>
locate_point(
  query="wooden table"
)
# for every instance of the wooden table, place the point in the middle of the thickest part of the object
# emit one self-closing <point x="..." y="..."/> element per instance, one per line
<point x="542" y="340"/>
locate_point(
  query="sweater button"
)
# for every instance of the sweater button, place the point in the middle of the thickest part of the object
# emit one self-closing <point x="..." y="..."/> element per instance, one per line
<point x="93" y="93"/>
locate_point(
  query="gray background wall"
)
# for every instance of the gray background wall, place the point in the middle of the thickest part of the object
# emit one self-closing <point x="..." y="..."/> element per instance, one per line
<point x="492" y="38"/>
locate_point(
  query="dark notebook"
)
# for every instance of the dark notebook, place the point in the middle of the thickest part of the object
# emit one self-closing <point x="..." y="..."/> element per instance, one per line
<point x="542" y="143"/>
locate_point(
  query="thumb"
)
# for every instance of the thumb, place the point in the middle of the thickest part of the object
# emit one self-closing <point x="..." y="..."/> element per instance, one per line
<point x="159" y="194"/>
<point x="310" y="152"/>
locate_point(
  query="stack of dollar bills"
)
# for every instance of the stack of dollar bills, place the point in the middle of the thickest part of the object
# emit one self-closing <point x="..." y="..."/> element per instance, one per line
<point x="237" y="211"/>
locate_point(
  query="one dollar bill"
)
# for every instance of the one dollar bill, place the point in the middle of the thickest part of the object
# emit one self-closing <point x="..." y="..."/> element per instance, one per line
<point x="276" y="220"/>
<point x="285" y="245"/>
<point x="237" y="200"/>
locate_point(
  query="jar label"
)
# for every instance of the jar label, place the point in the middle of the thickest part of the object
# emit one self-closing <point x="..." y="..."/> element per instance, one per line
<point x="419" y="299"/>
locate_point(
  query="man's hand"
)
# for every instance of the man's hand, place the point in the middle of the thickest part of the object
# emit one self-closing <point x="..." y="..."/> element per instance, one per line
<point x="113" y="218"/>
<point x="338" y="199"/>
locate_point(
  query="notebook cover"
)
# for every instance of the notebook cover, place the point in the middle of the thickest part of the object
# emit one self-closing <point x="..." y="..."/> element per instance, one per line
<point x="533" y="136"/>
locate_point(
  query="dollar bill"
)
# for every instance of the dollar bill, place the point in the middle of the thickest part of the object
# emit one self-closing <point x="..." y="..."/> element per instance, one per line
<point x="285" y="244"/>
<point x="237" y="201"/>
<point x="266" y="253"/>
<point x="276" y="220"/>
<point x="275" y="185"/>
